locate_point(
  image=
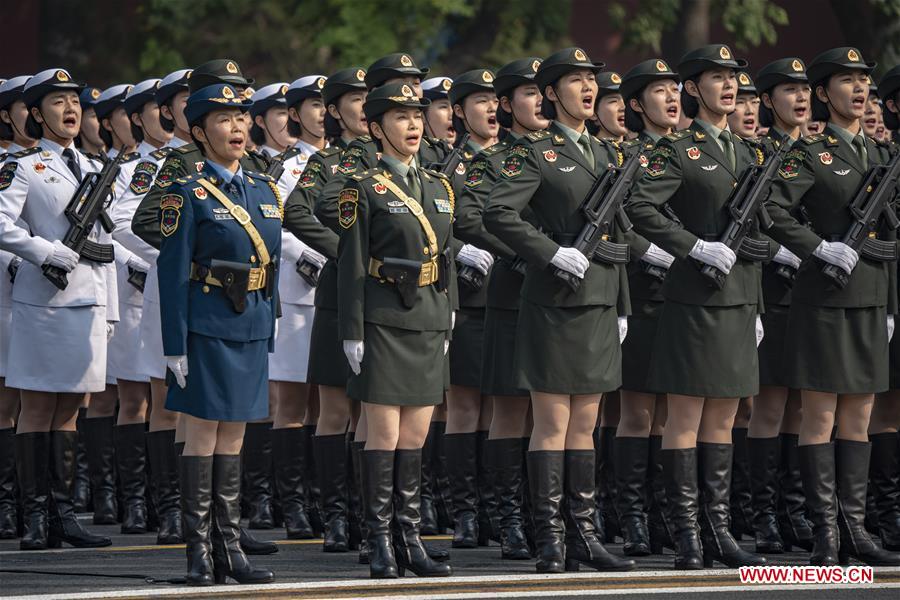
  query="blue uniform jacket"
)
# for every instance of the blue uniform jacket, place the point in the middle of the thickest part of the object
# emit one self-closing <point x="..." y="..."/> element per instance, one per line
<point x="196" y="228"/>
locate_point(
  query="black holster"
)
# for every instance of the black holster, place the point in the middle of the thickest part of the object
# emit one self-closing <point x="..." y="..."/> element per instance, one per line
<point x="405" y="276"/>
<point x="235" y="278"/>
<point x="444" y="263"/>
<point x="309" y="272"/>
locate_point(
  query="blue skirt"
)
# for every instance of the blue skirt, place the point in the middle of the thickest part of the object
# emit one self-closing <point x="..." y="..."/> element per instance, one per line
<point x="226" y="381"/>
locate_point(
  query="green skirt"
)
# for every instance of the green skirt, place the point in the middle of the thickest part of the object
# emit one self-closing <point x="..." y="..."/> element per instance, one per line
<point x="707" y="351"/>
<point x="327" y="363"/>
<point x="400" y="367"/>
<point x="568" y="350"/>
<point x="466" y="347"/>
<point x="837" y="350"/>
<point x="895" y="360"/>
<point x="638" y="345"/>
<point x="498" y="372"/>
<point x="771" y="350"/>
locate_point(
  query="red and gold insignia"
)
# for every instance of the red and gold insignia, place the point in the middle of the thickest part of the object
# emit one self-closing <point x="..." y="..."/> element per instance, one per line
<point x="790" y="166"/>
<point x="550" y="155"/>
<point x="231" y="67"/>
<point x="170" y="213"/>
<point x="580" y="55"/>
<point x="379" y="188"/>
<point x="446" y="84"/>
<point x="643" y="160"/>
<point x="39" y="167"/>
<point x="200" y="193"/>
<point x="347" y="207"/>
<point x="853" y="55"/>
<point x="512" y="166"/>
<point x="171" y="200"/>
<point x="661" y="66"/>
<point x="95" y="93"/>
<point x="615" y="78"/>
<point x="535" y="64"/>
<point x="693" y="152"/>
<point x="405" y="61"/>
<point x="797" y="65"/>
<point x="460" y="169"/>
<point x="199" y="165"/>
<point x="475" y="175"/>
<point x="7" y="174"/>
<point x="487" y="77"/>
<point x="725" y="53"/>
<point x="141" y="182"/>
<point x="826" y="158"/>
<point x="657" y="164"/>
<point x="227" y="92"/>
<point x="360" y="75"/>
<point x="62" y="76"/>
<point x="744" y="79"/>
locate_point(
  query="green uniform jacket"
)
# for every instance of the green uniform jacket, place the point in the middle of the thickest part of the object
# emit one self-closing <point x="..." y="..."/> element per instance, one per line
<point x="641" y="285"/>
<point x="689" y="171"/>
<point x="377" y="225"/>
<point x="821" y="173"/>
<point x="547" y="172"/>
<point x="181" y="162"/>
<point x="468" y="298"/>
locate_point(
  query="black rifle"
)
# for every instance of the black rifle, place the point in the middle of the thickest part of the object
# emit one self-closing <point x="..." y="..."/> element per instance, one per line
<point x="13" y="268"/>
<point x="874" y="198"/>
<point x="276" y="166"/>
<point x="746" y="203"/>
<point x="603" y="206"/>
<point x="86" y="207"/>
<point x="655" y="271"/>
<point x="137" y="278"/>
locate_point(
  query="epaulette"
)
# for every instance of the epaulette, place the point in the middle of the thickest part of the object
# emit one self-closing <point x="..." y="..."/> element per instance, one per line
<point x="366" y="174"/>
<point x="100" y="158"/>
<point x="161" y="153"/>
<point x="25" y="152"/>
<point x="436" y="173"/>
<point x="626" y="144"/>
<point x="290" y="153"/>
<point x="189" y="178"/>
<point x="467" y="155"/>
<point x="492" y="150"/>
<point x="329" y="151"/>
<point x="131" y="156"/>
<point x="679" y="135"/>
<point x="258" y="175"/>
<point x="186" y="148"/>
<point x="537" y="136"/>
<point x="813" y="139"/>
<point x="364" y="139"/>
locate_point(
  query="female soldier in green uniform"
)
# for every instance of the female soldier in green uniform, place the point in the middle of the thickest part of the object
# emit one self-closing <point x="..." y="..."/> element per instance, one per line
<point x="520" y="113"/>
<point x="652" y="109"/>
<point x="568" y="352"/>
<point x="395" y="320"/>
<point x="775" y="420"/>
<point x="837" y="339"/>
<point x="468" y="415"/>
<point x="886" y="411"/>
<point x="609" y="116"/>
<point x="704" y="356"/>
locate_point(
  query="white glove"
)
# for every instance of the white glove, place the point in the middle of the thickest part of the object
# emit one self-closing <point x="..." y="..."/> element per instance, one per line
<point x="138" y="264"/>
<point x="110" y="330"/>
<point x="571" y="261"/>
<point x="890" y="324"/>
<point x="314" y="257"/>
<point x="275" y="333"/>
<point x="476" y="258"/>
<point x="452" y="319"/>
<point x="63" y="257"/>
<point x="714" y="254"/>
<point x="786" y="257"/>
<point x="838" y="254"/>
<point x="623" y="328"/>
<point x="760" y="332"/>
<point x="446" y="346"/>
<point x="658" y="257"/>
<point x="179" y="367"/>
<point x="353" y="350"/>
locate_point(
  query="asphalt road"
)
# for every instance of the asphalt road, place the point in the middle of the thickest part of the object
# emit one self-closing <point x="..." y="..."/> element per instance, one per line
<point x="133" y="567"/>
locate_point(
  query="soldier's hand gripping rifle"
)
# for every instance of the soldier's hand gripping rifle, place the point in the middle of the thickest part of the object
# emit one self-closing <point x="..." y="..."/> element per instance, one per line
<point x="874" y="198"/>
<point x="86" y="207"/>
<point x="602" y="208"/>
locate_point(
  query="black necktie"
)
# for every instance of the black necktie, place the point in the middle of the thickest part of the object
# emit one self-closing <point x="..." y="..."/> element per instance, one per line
<point x="72" y="163"/>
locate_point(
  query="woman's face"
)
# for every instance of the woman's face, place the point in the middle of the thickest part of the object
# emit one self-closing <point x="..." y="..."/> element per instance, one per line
<point x="311" y="115"/>
<point x="525" y="106"/>
<point x="224" y="134"/>
<point x="479" y="111"/>
<point x="119" y="125"/>
<point x="15" y="115"/>
<point x="60" y="114"/>
<point x="790" y="102"/>
<point x="611" y="114"/>
<point x="90" y="128"/>
<point x="716" y="90"/>
<point x="349" y="110"/>
<point x="660" y="103"/>
<point x="148" y="121"/>
<point x="846" y="93"/>
<point x="439" y="116"/>
<point x="275" y="124"/>
<point x="574" y="94"/>
<point x="871" y="116"/>
<point x="745" y="118"/>
<point x="400" y="131"/>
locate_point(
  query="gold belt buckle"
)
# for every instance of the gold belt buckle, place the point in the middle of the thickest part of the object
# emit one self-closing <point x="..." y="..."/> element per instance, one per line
<point x="240" y="215"/>
<point x="257" y="279"/>
<point x="428" y="274"/>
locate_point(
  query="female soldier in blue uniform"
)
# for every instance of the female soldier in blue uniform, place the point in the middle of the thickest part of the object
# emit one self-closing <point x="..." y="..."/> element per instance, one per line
<point x="704" y="354"/>
<point x="221" y="240"/>
<point x="837" y="339"/>
<point x="395" y="318"/>
<point x="568" y="351"/>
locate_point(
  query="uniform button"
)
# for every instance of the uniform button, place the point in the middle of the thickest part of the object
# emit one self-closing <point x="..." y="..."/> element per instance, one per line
<point x="734" y="184"/>
<point x="425" y="250"/>
<point x="205" y="289"/>
<point x="253" y="259"/>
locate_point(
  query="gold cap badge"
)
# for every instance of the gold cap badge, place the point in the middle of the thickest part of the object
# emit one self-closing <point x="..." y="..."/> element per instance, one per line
<point x="407" y="91"/>
<point x="405" y="61"/>
<point x="360" y="75"/>
<point x="227" y="93"/>
<point x="661" y="66"/>
<point x="487" y="76"/>
<point x="95" y="93"/>
<point x="853" y="55"/>
<point x="320" y="82"/>
<point x="580" y="55"/>
<point x="535" y="65"/>
<point x="447" y="84"/>
<point x="231" y="67"/>
<point x="284" y="89"/>
<point x="615" y="78"/>
<point x="725" y="53"/>
<point x="743" y="79"/>
<point x="62" y="76"/>
<point x="797" y="65"/>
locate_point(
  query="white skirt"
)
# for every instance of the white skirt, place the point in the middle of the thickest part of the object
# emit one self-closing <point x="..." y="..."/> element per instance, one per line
<point x="57" y="349"/>
<point x="5" y="331"/>
<point x="290" y="360"/>
<point x="151" y="361"/>
<point x="125" y="346"/>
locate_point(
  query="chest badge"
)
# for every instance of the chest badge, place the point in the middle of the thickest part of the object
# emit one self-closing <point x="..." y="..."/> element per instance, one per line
<point x="842" y="172"/>
<point x="709" y="167"/>
<point x="644" y="161"/>
<point x="460" y="169"/>
<point x="199" y="165"/>
<point x="296" y="172"/>
<point x="395" y="203"/>
<point x="550" y="155"/>
<point x="826" y="158"/>
<point x="443" y="206"/>
<point x="380" y="188"/>
<point x="200" y="193"/>
<point x="270" y="211"/>
<point x="693" y="153"/>
<point x="39" y="167"/>
<point x="53" y="179"/>
<point x="568" y="169"/>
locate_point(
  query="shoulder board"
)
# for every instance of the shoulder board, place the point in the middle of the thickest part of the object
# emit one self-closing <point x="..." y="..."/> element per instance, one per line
<point x="365" y="174"/>
<point x="364" y="139"/>
<point x="435" y="173"/>
<point x="186" y="148"/>
<point x="329" y="151"/>
<point x="537" y="136"/>
<point x="25" y="152"/>
<point x="131" y="156"/>
<point x="813" y="139"/>
<point x="161" y="153"/>
<point x="189" y="178"/>
<point x="258" y="175"/>
<point x="629" y="143"/>
<point x="291" y="153"/>
<point x="679" y="135"/>
<point x="492" y="150"/>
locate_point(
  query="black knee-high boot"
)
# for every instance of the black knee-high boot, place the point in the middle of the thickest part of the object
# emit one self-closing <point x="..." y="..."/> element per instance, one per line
<point x="795" y="528"/>
<point x="819" y="485"/>
<point x="462" y="468"/>
<point x="764" y="488"/>
<point x="631" y="455"/>
<point x="506" y="474"/>
<point x="81" y="493"/>
<point x="33" y="469"/>
<point x="131" y="460"/>
<point x="164" y="481"/>
<point x="356" y="450"/>
<point x="289" y="458"/>
<point x="195" y="481"/>
<point x="606" y="483"/>
<point x="331" y="466"/>
<point x="682" y="495"/>
<point x="657" y="512"/>
<point x="488" y="523"/>
<point x="7" y="484"/>
<point x="741" y="498"/>
<point x="884" y="478"/>
<point x="440" y="489"/>
<point x="429" y="515"/>
<point x="63" y="525"/>
<point x="545" y="478"/>
<point x="257" y="459"/>
<point x="102" y="462"/>
<point x="378" y="487"/>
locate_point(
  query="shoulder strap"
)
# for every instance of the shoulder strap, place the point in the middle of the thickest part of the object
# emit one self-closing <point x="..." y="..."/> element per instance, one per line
<point x="242" y="217"/>
<point x="415" y="208"/>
